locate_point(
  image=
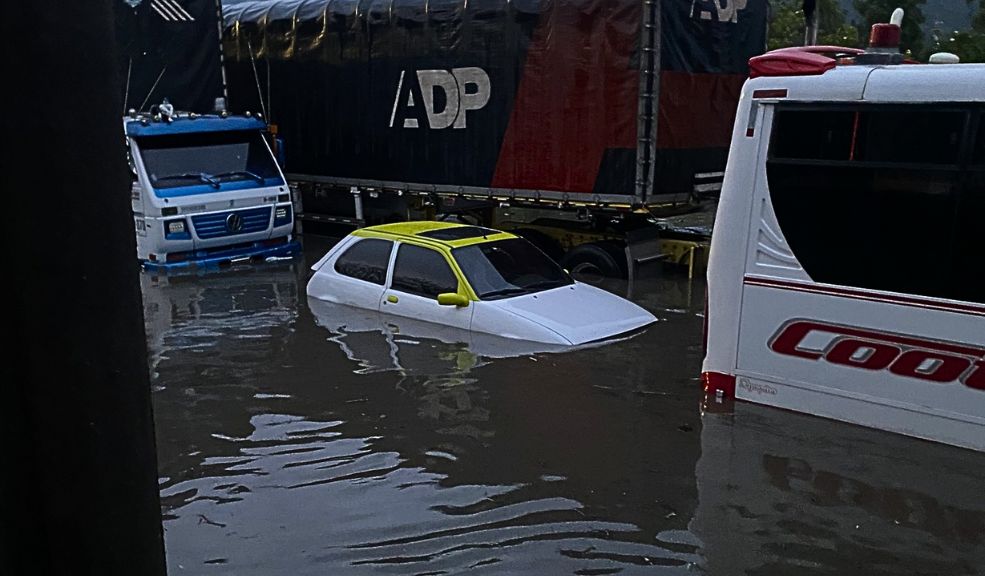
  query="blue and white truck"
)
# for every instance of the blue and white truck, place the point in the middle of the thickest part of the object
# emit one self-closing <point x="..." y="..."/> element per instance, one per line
<point x="207" y="190"/>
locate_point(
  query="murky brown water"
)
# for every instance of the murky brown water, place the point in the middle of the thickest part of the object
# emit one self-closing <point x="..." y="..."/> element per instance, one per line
<point x="289" y="448"/>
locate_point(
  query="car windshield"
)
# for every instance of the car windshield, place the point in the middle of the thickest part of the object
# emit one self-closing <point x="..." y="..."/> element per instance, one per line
<point x="507" y="268"/>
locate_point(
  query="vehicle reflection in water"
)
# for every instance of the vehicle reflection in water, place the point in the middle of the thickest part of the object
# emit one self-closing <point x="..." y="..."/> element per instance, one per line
<point x="300" y="441"/>
<point x="200" y="312"/>
<point x="388" y="449"/>
<point x="781" y="492"/>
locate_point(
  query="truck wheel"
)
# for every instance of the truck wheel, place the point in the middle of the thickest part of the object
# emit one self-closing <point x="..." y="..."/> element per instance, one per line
<point x="547" y="245"/>
<point x="592" y="263"/>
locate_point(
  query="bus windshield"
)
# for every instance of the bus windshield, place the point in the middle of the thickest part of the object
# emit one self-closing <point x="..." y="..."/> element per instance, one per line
<point x="205" y="162"/>
<point x="507" y="268"/>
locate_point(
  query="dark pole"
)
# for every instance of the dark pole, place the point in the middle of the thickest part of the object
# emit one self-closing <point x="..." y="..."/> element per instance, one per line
<point x="810" y="22"/>
<point x="78" y="487"/>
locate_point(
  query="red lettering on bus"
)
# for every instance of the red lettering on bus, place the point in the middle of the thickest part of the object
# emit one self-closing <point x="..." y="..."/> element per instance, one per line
<point x="844" y="352"/>
<point x="977" y="377"/>
<point x="791" y="336"/>
<point x="945" y="368"/>
<point x="903" y="355"/>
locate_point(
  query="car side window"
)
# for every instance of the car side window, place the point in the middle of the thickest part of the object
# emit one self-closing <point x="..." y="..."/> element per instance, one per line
<point x="366" y="260"/>
<point x="423" y="272"/>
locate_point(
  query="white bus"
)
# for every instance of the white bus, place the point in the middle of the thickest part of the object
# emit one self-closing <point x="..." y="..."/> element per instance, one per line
<point x="844" y="271"/>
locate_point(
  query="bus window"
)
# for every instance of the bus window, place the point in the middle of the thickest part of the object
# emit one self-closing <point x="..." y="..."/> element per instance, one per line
<point x="813" y="135"/>
<point x="887" y="207"/>
<point x="904" y="136"/>
<point x="978" y="155"/>
<point x="969" y="244"/>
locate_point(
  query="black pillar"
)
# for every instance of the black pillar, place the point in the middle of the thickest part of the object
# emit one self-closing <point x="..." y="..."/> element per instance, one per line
<point x="78" y="483"/>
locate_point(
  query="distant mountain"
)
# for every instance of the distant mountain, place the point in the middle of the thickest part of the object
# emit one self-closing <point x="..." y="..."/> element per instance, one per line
<point x="945" y="15"/>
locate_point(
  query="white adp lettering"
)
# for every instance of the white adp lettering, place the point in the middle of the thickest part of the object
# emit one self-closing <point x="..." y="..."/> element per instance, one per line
<point x="464" y="89"/>
<point x="722" y="10"/>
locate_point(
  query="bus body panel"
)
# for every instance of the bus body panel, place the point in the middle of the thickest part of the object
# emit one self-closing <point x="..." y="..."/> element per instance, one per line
<point x="816" y="372"/>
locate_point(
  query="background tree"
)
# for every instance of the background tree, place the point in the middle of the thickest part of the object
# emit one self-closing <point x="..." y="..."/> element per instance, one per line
<point x="787" y="25"/>
<point x="873" y="11"/>
<point x="969" y="45"/>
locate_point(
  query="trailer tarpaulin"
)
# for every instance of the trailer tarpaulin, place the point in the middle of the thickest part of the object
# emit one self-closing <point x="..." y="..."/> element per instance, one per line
<point x="537" y="96"/>
<point x="705" y="48"/>
<point x="169" y="49"/>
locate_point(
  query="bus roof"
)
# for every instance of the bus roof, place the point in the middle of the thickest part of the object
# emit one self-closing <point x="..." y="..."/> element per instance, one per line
<point x="889" y="83"/>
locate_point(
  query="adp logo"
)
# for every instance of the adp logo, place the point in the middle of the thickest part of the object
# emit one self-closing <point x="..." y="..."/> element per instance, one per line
<point x="721" y="10"/>
<point x="439" y="99"/>
<point x="909" y="356"/>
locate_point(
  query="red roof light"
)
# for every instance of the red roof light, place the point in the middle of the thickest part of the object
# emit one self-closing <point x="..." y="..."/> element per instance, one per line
<point x="789" y="63"/>
<point x="884" y="36"/>
<point x="800" y="60"/>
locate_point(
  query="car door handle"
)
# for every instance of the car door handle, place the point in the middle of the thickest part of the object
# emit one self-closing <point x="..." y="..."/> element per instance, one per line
<point x="392" y="299"/>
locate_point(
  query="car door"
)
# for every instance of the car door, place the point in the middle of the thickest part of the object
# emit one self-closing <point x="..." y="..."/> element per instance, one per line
<point x="418" y="275"/>
<point x="357" y="276"/>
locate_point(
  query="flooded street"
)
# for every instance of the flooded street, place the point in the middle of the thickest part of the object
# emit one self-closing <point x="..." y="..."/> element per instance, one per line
<point x="297" y="438"/>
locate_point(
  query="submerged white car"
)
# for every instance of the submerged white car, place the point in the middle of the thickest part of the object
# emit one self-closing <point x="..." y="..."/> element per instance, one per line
<point x="473" y="278"/>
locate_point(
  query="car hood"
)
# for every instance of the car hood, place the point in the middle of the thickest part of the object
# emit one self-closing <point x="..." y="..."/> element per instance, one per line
<point x="580" y="313"/>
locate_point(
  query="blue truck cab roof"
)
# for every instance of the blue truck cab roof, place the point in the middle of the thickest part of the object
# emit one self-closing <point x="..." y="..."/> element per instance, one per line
<point x="186" y="124"/>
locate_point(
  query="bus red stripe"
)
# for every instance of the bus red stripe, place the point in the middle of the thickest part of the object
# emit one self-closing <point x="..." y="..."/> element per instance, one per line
<point x="865" y="295"/>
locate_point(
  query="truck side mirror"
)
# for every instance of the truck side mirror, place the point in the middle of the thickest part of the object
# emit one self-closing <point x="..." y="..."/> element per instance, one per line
<point x="280" y="152"/>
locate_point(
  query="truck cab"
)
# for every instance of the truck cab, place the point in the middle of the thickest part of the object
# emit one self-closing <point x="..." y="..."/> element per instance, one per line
<point x="207" y="191"/>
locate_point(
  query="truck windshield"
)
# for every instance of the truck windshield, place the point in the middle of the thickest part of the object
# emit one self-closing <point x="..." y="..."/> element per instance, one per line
<point x="204" y="162"/>
<point x="507" y="268"/>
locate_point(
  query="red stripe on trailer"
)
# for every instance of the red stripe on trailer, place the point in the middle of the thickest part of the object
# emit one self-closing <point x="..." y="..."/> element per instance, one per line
<point x="575" y="100"/>
<point x="697" y="110"/>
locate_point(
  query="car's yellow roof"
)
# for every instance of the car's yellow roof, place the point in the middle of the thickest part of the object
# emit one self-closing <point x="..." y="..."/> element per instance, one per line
<point x="412" y="230"/>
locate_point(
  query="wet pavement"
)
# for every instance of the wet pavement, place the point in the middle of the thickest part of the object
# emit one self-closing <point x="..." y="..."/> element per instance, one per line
<point x="297" y="438"/>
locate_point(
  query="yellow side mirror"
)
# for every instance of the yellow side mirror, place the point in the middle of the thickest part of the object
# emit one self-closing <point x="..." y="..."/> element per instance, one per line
<point x="452" y="299"/>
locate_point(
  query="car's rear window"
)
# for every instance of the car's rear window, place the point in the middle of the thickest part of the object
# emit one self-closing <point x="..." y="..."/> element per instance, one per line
<point x="366" y="260"/>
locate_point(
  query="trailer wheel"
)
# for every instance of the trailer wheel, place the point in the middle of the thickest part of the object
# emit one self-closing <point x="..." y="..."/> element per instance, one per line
<point x="547" y="245"/>
<point x="592" y="263"/>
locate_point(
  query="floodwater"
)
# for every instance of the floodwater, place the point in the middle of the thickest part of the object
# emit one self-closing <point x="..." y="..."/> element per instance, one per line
<point x="294" y="438"/>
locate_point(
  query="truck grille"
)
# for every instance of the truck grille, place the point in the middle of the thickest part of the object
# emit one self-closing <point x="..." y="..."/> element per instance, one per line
<point x="226" y="224"/>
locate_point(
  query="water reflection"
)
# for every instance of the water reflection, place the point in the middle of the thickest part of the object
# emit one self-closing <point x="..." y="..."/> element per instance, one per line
<point x="782" y="492"/>
<point x="297" y="440"/>
<point x="344" y="444"/>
